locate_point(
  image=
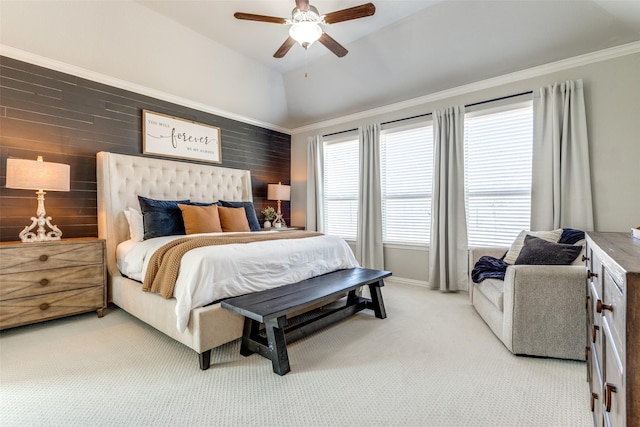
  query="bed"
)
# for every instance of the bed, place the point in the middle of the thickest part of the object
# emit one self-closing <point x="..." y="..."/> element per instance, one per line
<point x="121" y="179"/>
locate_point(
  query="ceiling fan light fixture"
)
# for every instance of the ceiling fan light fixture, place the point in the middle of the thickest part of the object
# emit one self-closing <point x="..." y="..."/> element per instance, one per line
<point x="305" y="33"/>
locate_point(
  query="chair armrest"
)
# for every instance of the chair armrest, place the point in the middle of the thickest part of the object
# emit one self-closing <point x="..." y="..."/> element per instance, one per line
<point x="474" y="255"/>
<point x="544" y="310"/>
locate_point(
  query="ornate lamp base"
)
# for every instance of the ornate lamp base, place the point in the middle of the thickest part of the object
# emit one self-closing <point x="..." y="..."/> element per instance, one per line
<point x="279" y="218"/>
<point x="41" y="234"/>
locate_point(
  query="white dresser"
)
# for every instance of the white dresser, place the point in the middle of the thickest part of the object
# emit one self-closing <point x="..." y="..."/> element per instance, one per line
<point x="613" y="328"/>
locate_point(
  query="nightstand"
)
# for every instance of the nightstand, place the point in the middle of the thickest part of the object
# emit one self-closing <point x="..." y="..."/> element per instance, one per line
<point x="48" y="280"/>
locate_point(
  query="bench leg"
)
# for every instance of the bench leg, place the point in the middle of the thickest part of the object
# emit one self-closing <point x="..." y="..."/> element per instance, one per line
<point x="376" y="300"/>
<point x="249" y="333"/>
<point x="278" y="345"/>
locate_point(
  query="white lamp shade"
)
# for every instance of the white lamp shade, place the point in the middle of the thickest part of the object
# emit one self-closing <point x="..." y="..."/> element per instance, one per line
<point x="37" y="175"/>
<point x="278" y="192"/>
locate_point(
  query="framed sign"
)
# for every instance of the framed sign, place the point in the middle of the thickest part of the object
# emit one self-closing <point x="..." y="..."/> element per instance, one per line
<point x="170" y="136"/>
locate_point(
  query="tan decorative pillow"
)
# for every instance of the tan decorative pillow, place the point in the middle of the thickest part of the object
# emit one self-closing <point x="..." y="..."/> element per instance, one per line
<point x="200" y="219"/>
<point x="233" y="219"/>
<point x="550" y="236"/>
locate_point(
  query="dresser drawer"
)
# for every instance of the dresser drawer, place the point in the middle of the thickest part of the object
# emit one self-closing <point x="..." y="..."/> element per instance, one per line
<point x="596" y="388"/>
<point x="614" y="396"/>
<point x="27" y="257"/>
<point x="39" y="282"/>
<point x="613" y="309"/>
<point x="22" y="311"/>
<point x="595" y="326"/>
<point x="594" y="272"/>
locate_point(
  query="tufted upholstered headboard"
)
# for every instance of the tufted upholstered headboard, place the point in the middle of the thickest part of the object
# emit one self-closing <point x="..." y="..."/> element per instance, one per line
<point x="122" y="178"/>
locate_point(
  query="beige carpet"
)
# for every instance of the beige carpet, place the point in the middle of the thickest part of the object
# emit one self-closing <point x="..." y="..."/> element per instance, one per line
<point x="432" y="362"/>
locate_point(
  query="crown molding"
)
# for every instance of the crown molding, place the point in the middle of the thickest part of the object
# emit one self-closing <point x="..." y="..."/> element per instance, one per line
<point x="541" y="70"/>
<point x="63" y="67"/>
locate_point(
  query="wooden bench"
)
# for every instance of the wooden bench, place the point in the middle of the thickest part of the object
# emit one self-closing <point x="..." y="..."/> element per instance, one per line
<point x="272" y="306"/>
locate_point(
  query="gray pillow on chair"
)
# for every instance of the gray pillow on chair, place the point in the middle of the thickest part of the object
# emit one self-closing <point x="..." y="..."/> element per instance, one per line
<point x="538" y="251"/>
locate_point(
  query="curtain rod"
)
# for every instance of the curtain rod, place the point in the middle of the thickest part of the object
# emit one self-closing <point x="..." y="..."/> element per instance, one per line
<point x="428" y="114"/>
<point x="498" y="99"/>
<point x="342" y="131"/>
<point x="406" y="118"/>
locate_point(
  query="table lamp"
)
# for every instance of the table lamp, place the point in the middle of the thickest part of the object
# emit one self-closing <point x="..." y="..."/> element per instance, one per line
<point x="279" y="192"/>
<point x="38" y="175"/>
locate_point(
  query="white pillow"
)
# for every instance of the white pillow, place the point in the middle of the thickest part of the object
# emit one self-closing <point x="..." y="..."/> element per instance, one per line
<point x="516" y="246"/>
<point x="136" y="226"/>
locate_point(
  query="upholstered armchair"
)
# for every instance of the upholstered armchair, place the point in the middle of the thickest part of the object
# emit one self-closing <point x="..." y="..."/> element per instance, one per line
<point x="537" y="310"/>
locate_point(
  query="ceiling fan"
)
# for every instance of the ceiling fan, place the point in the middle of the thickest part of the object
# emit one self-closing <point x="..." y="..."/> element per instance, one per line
<point x="306" y="24"/>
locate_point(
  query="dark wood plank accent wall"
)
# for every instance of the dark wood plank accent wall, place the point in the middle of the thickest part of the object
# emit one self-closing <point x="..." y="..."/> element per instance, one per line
<point x="68" y="119"/>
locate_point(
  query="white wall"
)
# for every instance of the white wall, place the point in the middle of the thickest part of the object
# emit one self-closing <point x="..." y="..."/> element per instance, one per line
<point x="127" y="41"/>
<point x="612" y="96"/>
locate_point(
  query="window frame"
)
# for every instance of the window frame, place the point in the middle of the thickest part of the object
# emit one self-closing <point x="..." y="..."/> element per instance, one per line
<point x="425" y="193"/>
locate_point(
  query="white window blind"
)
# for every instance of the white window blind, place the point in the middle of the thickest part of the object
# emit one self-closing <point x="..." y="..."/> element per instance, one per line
<point x="498" y="150"/>
<point x="341" y="178"/>
<point x="406" y="163"/>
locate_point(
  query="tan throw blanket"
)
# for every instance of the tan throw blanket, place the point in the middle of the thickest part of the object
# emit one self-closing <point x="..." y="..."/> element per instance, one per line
<point x="162" y="271"/>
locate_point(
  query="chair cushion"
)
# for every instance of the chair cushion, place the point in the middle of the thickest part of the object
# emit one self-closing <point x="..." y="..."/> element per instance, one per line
<point x="493" y="290"/>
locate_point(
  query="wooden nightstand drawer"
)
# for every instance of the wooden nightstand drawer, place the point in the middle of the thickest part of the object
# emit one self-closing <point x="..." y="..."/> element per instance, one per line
<point x="47" y="280"/>
<point x="31" y="256"/>
<point x="22" y="311"/>
<point x="39" y="282"/>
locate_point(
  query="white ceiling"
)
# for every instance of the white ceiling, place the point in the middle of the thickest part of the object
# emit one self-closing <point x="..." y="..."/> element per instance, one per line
<point x="408" y="48"/>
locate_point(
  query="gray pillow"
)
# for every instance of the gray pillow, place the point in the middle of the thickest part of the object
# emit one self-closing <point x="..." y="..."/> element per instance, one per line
<point x="538" y="251"/>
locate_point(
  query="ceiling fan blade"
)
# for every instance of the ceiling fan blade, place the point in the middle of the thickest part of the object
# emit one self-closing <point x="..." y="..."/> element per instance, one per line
<point x="282" y="50"/>
<point x="333" y="45"/>
<point x="261" y="18"/>
<point x="302" y="5"/>
<point x="350" y="13"/>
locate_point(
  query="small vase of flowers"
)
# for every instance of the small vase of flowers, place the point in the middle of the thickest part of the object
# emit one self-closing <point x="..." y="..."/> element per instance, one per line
<point x="269" y="214"/>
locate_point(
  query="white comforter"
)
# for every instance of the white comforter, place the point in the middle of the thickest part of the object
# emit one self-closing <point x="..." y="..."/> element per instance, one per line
<point x="215" y="272"/>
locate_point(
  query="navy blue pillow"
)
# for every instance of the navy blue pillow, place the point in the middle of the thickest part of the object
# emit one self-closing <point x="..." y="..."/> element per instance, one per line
<point x="161" y="217"/>
<point x="249" y="209"/>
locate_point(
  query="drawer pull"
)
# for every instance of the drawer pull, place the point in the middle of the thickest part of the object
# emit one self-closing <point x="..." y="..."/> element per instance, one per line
<point x="609" y="388"/>
<point x="585" y="258"/>
<point x="586" y="353"/>
<point x="44" y="282"/>
<point x="43" y="258"/>
<point x="586" y="301"/>
<point x="594" y="396"/>
<point x="44" y="306"/>
<point x="600" y="306"/>
<point x="591" y="274"/>
<point x="594" y="332"/>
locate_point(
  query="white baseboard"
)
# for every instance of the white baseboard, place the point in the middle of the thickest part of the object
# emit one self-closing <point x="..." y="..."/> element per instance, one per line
<point x="403" y="281"/>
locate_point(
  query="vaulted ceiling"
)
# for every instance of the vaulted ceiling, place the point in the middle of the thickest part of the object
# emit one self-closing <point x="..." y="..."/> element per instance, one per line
<point x="408" y="48"/>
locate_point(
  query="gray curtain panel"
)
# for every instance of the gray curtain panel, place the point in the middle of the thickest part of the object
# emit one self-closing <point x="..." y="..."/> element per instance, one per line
<point x="561" y="181"/>
<point x="448" y="264"/>
<point x="369" y="249"/>
<point x="315" y="162"/>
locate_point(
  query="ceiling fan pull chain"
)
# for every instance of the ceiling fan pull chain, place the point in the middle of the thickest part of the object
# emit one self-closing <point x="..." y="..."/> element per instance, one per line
<point x="306" y="62"/>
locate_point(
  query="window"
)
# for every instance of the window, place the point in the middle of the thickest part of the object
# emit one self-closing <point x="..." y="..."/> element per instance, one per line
<point x="406" y="164"/>
<point x="341" y="182"/>
<point x="498" y="150"/>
